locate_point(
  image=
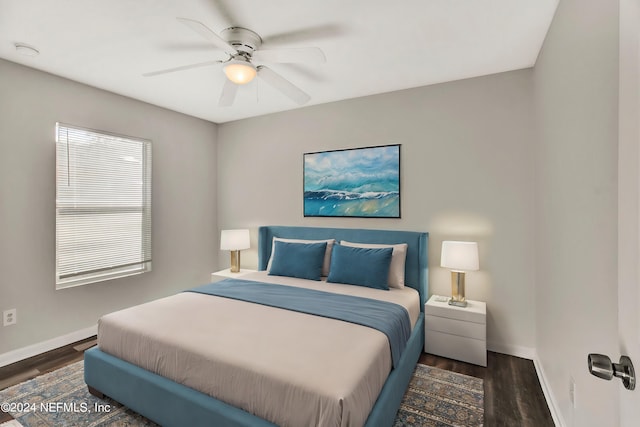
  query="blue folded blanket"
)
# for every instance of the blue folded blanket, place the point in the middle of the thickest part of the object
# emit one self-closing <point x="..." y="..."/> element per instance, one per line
<point x="389" y="318"/>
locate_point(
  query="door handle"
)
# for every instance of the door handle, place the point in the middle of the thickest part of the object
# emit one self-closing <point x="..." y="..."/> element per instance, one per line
<point x="601" y="366"/>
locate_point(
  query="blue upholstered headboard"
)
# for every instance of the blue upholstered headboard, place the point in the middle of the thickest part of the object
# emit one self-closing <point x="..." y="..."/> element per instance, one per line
<point x="416" y="271"/>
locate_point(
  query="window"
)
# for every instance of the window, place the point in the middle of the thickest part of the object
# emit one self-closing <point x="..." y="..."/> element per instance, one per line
<point x="103" y="206"/>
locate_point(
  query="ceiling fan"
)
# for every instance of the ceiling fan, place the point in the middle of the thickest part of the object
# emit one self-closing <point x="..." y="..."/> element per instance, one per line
<point x="243" y="47"/>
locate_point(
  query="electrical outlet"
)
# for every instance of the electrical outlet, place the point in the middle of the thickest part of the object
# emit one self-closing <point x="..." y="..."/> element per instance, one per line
<point x="572" y="391"/>
<point x="9" y="317"/>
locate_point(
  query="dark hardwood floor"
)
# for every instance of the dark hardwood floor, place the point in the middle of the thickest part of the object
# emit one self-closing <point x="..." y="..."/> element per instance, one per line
<point x="512" y="393"/>
<point x="50" y="361"/>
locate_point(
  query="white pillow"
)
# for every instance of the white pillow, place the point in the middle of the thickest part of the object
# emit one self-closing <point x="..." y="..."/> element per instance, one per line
<point x="327" y="254"/>
<point x="398" y="258"/>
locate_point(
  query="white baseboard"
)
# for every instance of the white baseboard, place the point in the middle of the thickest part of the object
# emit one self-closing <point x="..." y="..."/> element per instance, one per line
<point x="513" y="350"/>
<point x="548" y="394"/>
<point x="42" y="347"/>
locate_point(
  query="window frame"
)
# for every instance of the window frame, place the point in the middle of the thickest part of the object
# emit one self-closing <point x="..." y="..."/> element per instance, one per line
<point x="116" y="271"/>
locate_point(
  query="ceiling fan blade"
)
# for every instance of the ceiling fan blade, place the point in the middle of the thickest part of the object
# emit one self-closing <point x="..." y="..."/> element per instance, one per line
<point x="310" y="55"/>
<point x="182" y="68"/>
<point x="206" y="32"/>
<point x="303" y="35"/>
<point x="283" y="85"/>
<point x="228" y="94"/>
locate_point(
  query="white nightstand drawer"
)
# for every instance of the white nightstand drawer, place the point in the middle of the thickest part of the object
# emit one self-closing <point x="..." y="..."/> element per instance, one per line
<point x="475" y="311"/>
<point x="456" y="327"/>
<point x="455" y="347"/>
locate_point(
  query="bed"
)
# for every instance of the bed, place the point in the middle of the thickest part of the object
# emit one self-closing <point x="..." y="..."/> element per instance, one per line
<point x="167" y="388"/>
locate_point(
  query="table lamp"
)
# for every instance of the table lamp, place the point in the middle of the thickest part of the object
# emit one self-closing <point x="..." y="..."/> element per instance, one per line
<point x="459" y="257"/>
<point x="234" y="241"/>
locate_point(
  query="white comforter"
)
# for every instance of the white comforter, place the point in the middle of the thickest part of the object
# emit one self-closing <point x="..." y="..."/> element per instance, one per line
<point x="290" y="368"/>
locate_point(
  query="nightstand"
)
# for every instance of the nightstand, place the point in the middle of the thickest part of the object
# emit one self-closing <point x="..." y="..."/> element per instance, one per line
<point x="458" y="333"/>
<point x="227" y="274"/>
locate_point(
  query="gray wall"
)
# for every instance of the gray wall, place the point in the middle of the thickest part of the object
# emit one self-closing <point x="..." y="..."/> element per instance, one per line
<point x="576" y="94"/>
<point x="467" y="173"/>
<point x="184" y="202"/>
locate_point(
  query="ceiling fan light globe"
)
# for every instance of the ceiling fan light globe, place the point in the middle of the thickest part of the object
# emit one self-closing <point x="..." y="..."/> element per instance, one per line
<point x="240" y="72"/>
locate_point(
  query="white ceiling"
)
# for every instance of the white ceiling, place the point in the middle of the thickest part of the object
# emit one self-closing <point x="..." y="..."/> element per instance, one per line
<point x="371" y="46"/>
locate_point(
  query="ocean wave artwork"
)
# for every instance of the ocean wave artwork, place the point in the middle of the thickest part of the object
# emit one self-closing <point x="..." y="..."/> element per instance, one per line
<point x="359" y="182"/>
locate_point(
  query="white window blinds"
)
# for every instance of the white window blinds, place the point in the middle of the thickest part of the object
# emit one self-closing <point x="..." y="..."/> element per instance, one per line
<point x="103" y="206"/>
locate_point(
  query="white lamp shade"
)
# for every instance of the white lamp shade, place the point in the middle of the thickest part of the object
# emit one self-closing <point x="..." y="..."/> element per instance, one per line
<point x="460" y="256"/>
<point x="234" y="240"/>
<point x="240" y="72"/>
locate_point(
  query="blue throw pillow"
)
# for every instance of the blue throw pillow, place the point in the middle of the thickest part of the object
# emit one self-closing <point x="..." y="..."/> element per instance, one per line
<point x="360" y="266"/>
<point x="302" y="260"/>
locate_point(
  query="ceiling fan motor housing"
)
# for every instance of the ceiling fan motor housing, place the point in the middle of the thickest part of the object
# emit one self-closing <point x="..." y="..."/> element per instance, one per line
<point x="244" y="40"/>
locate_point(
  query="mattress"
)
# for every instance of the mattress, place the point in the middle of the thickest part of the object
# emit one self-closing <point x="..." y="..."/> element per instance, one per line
<point x="287" y="367"/>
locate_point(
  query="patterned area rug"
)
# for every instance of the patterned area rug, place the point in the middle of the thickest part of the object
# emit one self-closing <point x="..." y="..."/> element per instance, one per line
<point x="434" y="398"/>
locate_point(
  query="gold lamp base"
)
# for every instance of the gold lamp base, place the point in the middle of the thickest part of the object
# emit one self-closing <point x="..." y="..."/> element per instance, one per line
<point x="235" y="261"/>
<point x="457" y="289"/>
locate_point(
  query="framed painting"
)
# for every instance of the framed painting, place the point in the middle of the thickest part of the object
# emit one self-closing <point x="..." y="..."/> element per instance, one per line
<point x="354" y="182"/>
